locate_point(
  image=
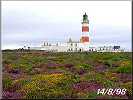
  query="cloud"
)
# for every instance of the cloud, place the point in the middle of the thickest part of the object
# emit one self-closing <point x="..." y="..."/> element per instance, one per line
<point x="32" y="22"/>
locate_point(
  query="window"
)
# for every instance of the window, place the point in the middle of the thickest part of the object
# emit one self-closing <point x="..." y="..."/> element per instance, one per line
<point x="75" y="49"/>
<point x="80" y="49"/>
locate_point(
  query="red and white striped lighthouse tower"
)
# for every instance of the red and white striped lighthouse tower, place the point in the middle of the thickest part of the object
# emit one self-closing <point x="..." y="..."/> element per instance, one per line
<point x="85" y="30"/>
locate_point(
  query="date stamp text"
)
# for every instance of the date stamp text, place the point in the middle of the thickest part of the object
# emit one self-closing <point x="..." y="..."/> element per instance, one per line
<point x="111" y="91"/>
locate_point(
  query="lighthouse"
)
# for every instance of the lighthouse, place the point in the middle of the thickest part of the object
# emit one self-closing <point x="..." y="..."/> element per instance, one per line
<point x="85" y="30"/>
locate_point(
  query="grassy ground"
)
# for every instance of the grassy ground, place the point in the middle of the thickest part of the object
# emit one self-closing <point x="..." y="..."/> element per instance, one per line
<point x="40" y="75"/>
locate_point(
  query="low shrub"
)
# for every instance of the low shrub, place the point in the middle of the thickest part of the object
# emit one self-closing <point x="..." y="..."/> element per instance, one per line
<point x="85" y="66"/>
<point x="108" y="63"/>
<point x="7" y="82"/>
<point x="92" y="95"/>
<point x="125" y="67"/>
<point x="99" y="78"/>
<point x="6" y="61"/>
<point x="49" y="86"/>
<point x="23" y="66"/>
<point x="111" y="76"/>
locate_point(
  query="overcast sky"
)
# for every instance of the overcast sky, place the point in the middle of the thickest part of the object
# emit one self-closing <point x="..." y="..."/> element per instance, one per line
<point x="32" y="22"/>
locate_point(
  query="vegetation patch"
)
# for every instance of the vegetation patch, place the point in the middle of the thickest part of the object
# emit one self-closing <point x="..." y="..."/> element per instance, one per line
<point x="125" y="67"/>
<point x="46" y="75"/>
<point x="49" y="86"/>
<point x="7" y="82"/>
